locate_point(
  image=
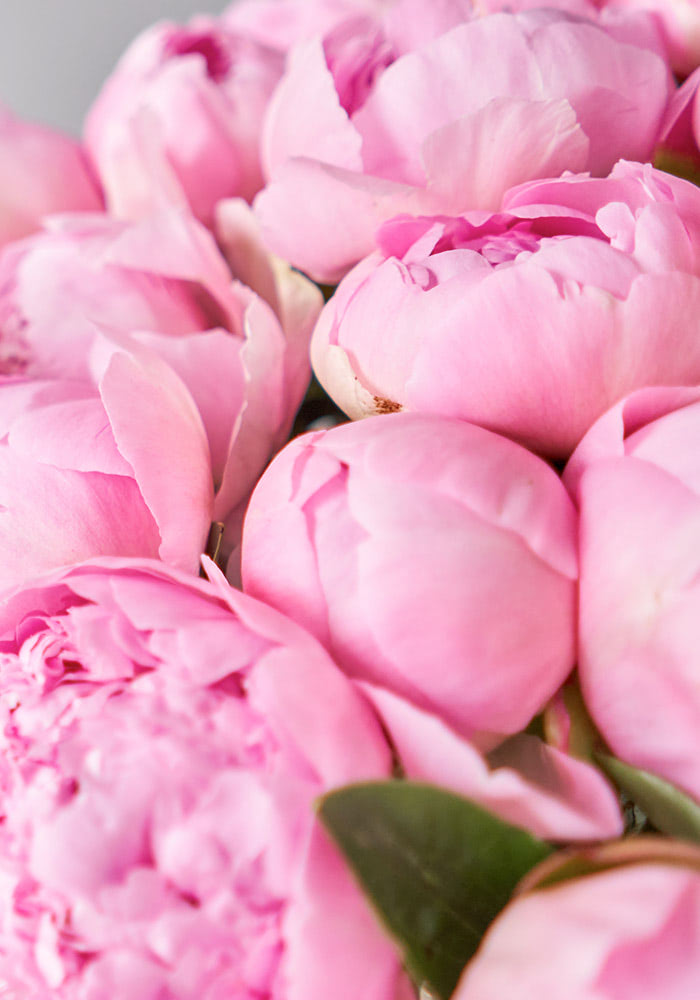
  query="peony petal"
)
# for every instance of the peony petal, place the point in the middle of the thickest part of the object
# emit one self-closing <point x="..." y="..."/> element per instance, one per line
<point x="335" y="945"/>
<point x="304" y="194"/>
<point x="543" y="138"/>
<point x="159" y="431"/>
<point x="534" y="786"/>
<point x="51" y="517"/>
<point x="304" y="117"/>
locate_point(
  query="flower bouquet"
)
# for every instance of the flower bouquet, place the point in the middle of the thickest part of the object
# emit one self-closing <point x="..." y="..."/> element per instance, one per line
<point x="387" y="687"/>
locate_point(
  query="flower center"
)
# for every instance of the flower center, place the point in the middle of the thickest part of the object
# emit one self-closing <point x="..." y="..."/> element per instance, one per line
<point x="217" y="59"/>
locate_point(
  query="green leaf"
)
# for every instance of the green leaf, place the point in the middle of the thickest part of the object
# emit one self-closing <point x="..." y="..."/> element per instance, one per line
<point x="669" y="809"/>
<point x="678" y="164"/>
<point x="437" y="868"/>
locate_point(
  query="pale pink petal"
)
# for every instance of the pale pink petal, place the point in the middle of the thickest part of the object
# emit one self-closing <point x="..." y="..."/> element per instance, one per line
<point x="133" y="167"/>
<point x="326" y="536"/>
<point x="282" y="692"/>
<point x="203" y="73"/>
<point x="41" y="172"/>
<point x="211" y="366"/>
<point x="305" y="194"/>
<point x="238" y="234"/>
<point x="159" y="431"/>
<point x="304" y="117"/>
<point x="640" y="532"/>
<point x="69" y="435"/>
<point x="335" y="943"/>
<point x="528" y="783"/>
<point x="602" y="335"/>
<point x="264" y="415"/>
<point x="543" y="138"/>
<point x="408" y="24"/>
<point x="626" y="934"/>
<point x="439" y="84"/>
<point x="282" y="23"/>
<point x="618" y="91"/>
<point x="606" y="438"/>
<point x="51" y="517"/>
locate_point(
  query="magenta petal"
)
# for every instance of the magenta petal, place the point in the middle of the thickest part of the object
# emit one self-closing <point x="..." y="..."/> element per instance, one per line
<point x="677" y="131"/>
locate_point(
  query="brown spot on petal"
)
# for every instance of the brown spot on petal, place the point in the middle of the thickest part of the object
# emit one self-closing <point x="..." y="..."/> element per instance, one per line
<point x="213" y="546"/>
<point x="386" y="405"/>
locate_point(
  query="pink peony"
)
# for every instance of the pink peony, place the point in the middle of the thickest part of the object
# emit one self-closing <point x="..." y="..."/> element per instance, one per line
<point x="320" y="540"/>
<point x="532" y="321"/>
<point x="41" y="171"/>
<point x="159" y="368"/>
<point x="179" y="120"/>
<point x="632" y="933"/>
<point x="636" y="478"/>
<point x="431" y="557"/>
<point x="163" y="742"/>
<point x="388" y="116"/>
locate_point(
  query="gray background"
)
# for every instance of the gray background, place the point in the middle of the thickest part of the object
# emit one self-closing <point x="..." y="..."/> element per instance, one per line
<point x="55" y="54"/>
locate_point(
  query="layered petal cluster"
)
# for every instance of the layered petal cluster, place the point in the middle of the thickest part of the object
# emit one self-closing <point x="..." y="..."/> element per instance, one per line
<point x="179" y="120"/>
<point x="632" y="933"/>
<point x="431" y="110"/>
<point x="531" y="321"/>
<point x="130" y="354"/>
<point x="41" y="172"/>
<point x="637" y="481"/>
<point x="430" y="556"/>
<point x="160" y="757"/>
<point x="437" y="563"/>
<point x="514" y="276"/>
